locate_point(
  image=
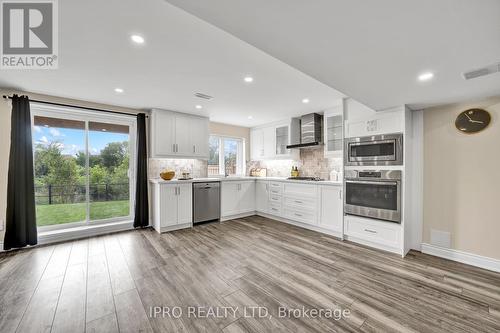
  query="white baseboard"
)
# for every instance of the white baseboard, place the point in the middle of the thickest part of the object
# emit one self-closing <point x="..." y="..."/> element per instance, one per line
<point x="463" y="257"/>
<point x="302" y="225"/>
<point x="236" y="216"/>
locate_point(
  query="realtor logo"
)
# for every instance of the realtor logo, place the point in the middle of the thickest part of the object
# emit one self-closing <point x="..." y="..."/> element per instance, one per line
<point x="29" y="34"/>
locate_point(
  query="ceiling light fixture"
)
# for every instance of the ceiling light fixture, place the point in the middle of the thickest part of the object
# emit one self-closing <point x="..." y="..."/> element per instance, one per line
<point x="119" y="90"/>
<point x="425" y="76"/>
<point x="305" y="100"/>
<point x="250" y="117"/>
<point x="198" y="107"/>
<point x="137" y="39"/>
<point x="248" y="79"/>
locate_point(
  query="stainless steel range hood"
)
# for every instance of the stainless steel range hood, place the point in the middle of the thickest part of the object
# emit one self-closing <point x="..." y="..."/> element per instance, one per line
<point x="310" y="127"/>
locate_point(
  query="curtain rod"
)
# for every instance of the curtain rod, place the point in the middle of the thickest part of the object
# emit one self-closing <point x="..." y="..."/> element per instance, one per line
<point x="79" y="107"/>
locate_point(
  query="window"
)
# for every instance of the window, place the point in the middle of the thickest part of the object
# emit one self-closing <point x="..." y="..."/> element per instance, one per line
<point x="82" y="166"/>
<point x="226" y="156"/>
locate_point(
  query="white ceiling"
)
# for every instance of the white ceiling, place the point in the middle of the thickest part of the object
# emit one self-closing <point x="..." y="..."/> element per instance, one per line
<point x="372" y="50"/>
<point x="182" y="55"/>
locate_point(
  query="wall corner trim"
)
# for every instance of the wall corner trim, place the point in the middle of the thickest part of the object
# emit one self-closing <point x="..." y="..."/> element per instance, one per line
<point x="463" y="257"/>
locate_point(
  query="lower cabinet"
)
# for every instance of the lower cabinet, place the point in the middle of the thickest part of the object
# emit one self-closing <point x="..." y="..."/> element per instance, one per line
<point x="262" y="196"/>
<point x="172" y="206"/>
<point x="237" y="197"/>
<point x="331" y="212"/>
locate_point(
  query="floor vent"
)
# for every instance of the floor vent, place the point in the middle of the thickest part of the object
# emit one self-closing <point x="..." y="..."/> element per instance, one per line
<point x="491" y="69"/>
<point x="204" y="96"/>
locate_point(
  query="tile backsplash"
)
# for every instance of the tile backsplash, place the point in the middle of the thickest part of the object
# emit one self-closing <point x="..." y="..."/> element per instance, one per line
<point x="311" y="163"/>
<point x="197" y="168"/>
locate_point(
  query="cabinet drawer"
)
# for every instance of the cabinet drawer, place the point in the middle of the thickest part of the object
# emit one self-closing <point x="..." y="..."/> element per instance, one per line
<point x="384" y="233"/>
<point x="276" y="188"/>
<point x="301" y="215"/>
<point x="275" y="198"/>
<point x="300" y="190"/>
<point x="306" y="203"/>
<point x="275" y="208"/>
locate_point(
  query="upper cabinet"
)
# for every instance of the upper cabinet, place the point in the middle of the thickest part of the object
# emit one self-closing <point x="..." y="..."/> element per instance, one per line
<point x="178" y="135"/>
<point x="333" y="131"/>
<point x="363" y="121"/>
<point x="269" y="142"/>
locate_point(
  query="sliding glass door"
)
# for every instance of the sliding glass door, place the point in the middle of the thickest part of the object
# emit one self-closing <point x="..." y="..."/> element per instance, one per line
<point x="83" y="166"/>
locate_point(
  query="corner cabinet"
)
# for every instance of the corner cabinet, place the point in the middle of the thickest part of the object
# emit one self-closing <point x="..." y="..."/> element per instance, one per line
<point x="269" y="142"/>
<point x="172" y="206"/>
<point x="178" y="135"/>
<point x="237" y="198"/>
<point x="333" y="131"/>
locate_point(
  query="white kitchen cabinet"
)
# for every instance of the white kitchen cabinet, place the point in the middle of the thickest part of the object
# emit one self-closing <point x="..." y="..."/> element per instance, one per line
<point x="269" y="142"/>
<point x="237" y="197"/>
<point x="262" y="196"/>
<point x="199" y="137"/>
<point x="333" y="132"/>
<point x="178" y="135"/>
<point x="331" y="213"/>
<point x="162" y="129"/>
<point x="382" y="122"/>
<point x="247" y="197"/>
<point x="172" y="206"/>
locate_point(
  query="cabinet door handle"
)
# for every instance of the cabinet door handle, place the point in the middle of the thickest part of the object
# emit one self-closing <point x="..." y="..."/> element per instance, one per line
<point x="297" y="201"/>
<point x="173" y="147"/>
<point x="297" y="214"/>
<point x="179" y="192"/>
<point x="194" y="149"/>
<point x="371" y="231"/>
<point x="340" y="194"/>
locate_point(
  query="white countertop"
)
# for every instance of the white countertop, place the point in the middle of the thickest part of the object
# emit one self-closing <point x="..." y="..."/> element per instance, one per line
<point x="237" y="178"/>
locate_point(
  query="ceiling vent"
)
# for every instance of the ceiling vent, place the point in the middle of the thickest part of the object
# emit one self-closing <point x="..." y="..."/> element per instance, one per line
<point x="491" y="69"/>
<point x="200" y="95"/>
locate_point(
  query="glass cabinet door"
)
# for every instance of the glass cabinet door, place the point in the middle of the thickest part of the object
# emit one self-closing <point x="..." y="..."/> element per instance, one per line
<point x="282" y="140"/>
<point x="334" y="142"/>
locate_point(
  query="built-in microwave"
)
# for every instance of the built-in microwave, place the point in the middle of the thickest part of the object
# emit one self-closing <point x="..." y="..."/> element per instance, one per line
<point x="386" y="149"/>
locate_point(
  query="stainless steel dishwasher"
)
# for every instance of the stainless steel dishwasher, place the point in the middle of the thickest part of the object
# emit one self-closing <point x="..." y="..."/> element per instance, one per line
<point x="206" y="201"/>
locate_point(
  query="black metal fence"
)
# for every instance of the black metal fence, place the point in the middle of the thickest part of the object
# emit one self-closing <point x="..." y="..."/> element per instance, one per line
<point x="63" y="194"/>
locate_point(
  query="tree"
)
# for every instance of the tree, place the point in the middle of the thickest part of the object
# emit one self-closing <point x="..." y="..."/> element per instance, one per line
<point x="81" y="159"/>
<point x="98" y="175"/>
<point x="113" y="154"/>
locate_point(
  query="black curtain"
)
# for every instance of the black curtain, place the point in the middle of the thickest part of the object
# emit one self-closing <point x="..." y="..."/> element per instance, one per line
<point x="20" y="227"/>
<point x="141" y="192"/>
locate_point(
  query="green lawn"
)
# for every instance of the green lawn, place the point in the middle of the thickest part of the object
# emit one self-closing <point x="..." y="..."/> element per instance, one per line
<point x="66" y="213"/>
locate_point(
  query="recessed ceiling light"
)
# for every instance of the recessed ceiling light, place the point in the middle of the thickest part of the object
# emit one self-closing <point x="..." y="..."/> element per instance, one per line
<point x="137" y="39"/>
<point x="119" y="90"/>
<point x="425" y="76"/>
<point x="305" y="100"/>
<point x="198" y="106"/>
<point x="248" y="79"/>
<point x="104" y="130"/>
<point x="250" y="117"/>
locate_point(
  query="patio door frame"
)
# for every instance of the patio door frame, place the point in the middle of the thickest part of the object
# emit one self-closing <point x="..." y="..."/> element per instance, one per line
<point x="86" y="116"/>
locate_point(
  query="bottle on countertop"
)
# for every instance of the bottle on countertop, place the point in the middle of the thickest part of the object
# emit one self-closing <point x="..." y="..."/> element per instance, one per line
<point x="334" y="175"/>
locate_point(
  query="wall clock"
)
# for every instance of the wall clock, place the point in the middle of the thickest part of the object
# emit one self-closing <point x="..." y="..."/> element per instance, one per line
<point x="472" y="121"/>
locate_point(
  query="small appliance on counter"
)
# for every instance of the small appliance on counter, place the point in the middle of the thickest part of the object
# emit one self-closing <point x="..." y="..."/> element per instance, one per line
<point x="295" y="172"/>
<point x="258" y="172"/>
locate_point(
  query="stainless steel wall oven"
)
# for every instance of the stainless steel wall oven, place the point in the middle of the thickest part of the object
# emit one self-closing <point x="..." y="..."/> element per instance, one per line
<point x="384" y="149"/>
<point x="374" y="194"/>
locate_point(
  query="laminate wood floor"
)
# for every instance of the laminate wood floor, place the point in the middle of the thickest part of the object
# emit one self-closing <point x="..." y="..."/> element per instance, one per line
<point x="116" y="282"/>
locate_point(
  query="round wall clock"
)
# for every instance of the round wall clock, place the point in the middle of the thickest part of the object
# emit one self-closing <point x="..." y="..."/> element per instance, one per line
<point x="472" y="121"/>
